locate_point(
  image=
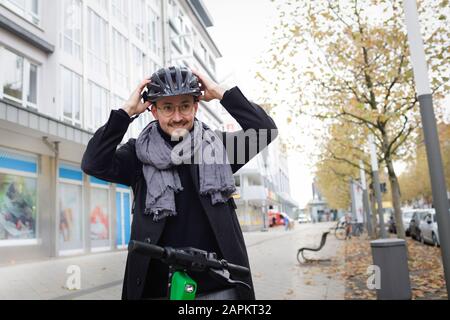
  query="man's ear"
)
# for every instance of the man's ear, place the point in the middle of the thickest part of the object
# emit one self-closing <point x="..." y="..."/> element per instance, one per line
<point x="195" y="107"/>
<point x="154" y="111"/>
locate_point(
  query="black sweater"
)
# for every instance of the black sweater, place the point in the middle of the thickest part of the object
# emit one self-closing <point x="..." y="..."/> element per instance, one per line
<point x="189" y="228"/>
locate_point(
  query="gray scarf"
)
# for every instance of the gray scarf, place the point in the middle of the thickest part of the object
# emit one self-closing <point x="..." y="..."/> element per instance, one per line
<point x="201" y="146"/>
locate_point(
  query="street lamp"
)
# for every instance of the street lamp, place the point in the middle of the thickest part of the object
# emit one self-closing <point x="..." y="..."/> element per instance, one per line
<point x="376" y="185"/>
<point x="365" y="198"/>
<point x="439" y="189"/>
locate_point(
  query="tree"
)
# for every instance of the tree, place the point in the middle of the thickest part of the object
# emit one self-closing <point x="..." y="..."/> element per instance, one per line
<point x="415" y="181"/>
<point x="338" y="163"/>
<point x="348" y="62"/>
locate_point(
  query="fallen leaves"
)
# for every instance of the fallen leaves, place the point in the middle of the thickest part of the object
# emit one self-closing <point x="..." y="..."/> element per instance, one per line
<point x="309" y="282"/>
<point x="290" y="292"/>
<point x="425" y="265"/>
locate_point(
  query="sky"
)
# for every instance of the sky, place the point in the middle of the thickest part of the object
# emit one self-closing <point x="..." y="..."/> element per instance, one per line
<point x="241" y="30"/>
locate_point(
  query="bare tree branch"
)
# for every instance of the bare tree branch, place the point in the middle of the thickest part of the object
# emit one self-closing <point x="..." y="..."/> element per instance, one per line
<point x="359" y="118"/>
<point x="405" y="122"/>
<point x="356" y="165"/>
<point x="399" y="70"/>
<point x="405" y="137"/>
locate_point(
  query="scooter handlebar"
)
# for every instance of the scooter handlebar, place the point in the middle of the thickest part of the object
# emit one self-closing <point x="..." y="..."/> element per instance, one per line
<point x="238" y="270"/>
<point x="147" y="249"/>
<point x="158" y="252"/>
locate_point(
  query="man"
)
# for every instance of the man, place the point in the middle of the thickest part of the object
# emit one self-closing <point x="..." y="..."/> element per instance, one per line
<point x="179" y="202"/>
<point x="348" y="226"/>
<point x="286" y="222"/>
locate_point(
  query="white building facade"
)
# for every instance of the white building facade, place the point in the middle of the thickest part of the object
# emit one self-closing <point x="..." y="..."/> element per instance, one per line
<point x="64" y="66"/>
<point x="262" y="185"/>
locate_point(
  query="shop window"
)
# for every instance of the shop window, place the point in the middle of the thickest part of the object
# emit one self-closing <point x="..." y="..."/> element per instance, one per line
<point x="18" y="199"/>
<point x="70" y="208"/>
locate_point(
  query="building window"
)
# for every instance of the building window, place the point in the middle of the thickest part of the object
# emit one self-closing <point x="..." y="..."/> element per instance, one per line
<point x="123" y="216"/>
<point x="174" y="52"/>
<point x="18" y="199"/>
<point x="72" y="28"/>
<point x="20" y="79"/>
<point x="203" y="54"/>
<point x="102" y="4"/>
<point x="176" y="16"/>
<point x="179" y="22"/>
<point x="154" y="29"/>
<point x="138" y="125"/>
<point x="120" y="10"/>
<point x="187" y="40"/>
<point x="176" y="26"/>
<point x="97" y="44"/>
<point x="32" y="85"/>
<point x="177" y="35"/>
<point x="99" y="216"/>
<point x="212" y="64"/>
<point x="71" y="97"/>
<point x="154" y="66"/>
<point x="194" y="38"/>
<point x="70" y="209"/>
<point x="118" y="103"/>
<point x="98" y="106"/>
<point x="139" y="18"/>
<point x="28" y="9"/>
<point x="138" y="65"/>
<point x="120" y="59"/>
<point x="13" y="78"/>
<point x="173" y="9"/>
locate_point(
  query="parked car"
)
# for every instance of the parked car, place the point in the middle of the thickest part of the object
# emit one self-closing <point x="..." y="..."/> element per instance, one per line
<point x="303" y="218"/>
<point x="392" y="228"/>
<point x="406" y="219"/>
<point x="429" y="230"/>
<point x="414" y="224"/>
<point x="387" y="214"/>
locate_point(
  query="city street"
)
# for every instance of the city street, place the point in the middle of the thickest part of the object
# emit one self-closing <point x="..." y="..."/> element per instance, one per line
<point x="276" y="272"/>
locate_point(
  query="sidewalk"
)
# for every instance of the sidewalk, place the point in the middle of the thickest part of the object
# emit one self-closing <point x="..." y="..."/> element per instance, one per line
<point x="276" y="273"/>
<point x="101" y="278"/>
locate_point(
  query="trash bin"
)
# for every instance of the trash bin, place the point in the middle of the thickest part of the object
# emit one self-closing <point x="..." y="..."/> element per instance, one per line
<point x="391" y="258"/>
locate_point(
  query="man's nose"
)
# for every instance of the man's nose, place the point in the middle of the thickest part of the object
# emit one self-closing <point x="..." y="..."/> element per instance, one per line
<point x="177" y="116"/>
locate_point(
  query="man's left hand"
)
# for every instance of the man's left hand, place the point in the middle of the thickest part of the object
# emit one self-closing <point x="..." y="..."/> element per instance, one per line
<point x="211" y="90"/>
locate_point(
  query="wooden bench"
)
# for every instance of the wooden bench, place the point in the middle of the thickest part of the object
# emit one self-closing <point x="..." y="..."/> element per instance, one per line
<point x="302" y="250"/>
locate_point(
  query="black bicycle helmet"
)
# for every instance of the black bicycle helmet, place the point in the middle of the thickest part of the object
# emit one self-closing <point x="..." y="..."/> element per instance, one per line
<point x="172" y="81"/>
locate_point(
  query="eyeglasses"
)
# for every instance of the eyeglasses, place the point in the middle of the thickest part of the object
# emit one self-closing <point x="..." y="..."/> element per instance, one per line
<point x="184" y="109"/>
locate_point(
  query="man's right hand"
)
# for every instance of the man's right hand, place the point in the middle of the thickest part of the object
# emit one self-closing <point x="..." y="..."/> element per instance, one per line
<point x="134" y="106"/>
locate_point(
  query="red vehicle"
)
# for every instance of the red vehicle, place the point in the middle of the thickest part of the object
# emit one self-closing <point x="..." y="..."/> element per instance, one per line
<point x="275" y="219"/>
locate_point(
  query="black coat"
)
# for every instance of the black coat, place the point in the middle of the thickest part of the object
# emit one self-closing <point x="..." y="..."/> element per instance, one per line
<point x="103" y="160"/>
